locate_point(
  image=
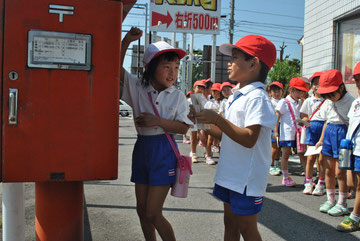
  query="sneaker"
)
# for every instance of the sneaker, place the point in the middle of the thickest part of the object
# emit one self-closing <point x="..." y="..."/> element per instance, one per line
<point x="326" y="206"/>
<point x="194" y="158"/>
<point x="288" y="181"/>
<point x="319" y="190"/>
<point x="215" y="149"/>
<point x="308" y="189"/>
<point x="210" y="161"/>
<point x="351" y="194"/>
<point x="186" y="141"/>
<point x="348" y="225"/>
<point x="274" y="171"/>
<point x="278" y="170"/>
<point x="338" y="210"/>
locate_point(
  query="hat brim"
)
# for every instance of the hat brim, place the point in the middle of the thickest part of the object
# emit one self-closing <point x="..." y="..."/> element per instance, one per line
<point x="277" y="84"/>
<point x="326" y="90"/>
<point x="302" y="88"/>
<point x="227" y="49"/>
<point x="180" y="52"/>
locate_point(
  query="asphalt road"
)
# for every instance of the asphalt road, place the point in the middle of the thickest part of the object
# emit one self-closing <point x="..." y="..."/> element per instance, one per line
<point x="110" y="206"/>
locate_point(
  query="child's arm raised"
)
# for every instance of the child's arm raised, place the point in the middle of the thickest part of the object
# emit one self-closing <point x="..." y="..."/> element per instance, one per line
<point x="246" y="137"/>
<point x="133" y="35"/>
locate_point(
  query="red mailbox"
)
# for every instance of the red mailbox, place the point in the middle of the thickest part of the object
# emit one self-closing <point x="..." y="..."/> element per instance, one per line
<point x="60" y="88"/>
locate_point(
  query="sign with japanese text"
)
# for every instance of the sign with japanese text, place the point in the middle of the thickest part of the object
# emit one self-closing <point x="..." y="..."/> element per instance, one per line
<point x="185" y="16"/>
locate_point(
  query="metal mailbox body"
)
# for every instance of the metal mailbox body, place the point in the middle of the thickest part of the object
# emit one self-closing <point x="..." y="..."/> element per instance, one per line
<point x="62" y="58"/>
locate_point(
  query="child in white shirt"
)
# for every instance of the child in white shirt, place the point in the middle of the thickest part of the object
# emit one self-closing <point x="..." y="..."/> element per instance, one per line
<point x="288" y="111"/>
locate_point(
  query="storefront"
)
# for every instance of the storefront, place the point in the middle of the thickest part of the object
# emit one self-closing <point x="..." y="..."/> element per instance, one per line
<point x="332" y="38"/>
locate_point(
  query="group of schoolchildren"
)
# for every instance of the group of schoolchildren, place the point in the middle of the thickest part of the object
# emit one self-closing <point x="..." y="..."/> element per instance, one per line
<point x="243" y="123"/>
<point x="333" y="115"/>
<point x="213" y="97"/>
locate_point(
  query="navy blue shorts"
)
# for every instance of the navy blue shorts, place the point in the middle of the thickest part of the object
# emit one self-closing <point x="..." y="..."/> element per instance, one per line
<point x="333" y="134"/>
<point x="313" y="132"/>
<point x="356" y="163"/>
<point x="240" y="203"/>
<point x="288" y="143"/>
<point x="153" y="161"/>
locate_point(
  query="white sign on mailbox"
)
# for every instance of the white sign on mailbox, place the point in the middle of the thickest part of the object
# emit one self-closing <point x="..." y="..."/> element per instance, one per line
<point x="185" y="16"/>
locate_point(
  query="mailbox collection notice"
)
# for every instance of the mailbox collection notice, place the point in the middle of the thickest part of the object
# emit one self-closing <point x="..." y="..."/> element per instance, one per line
<point x="59" y="50"/>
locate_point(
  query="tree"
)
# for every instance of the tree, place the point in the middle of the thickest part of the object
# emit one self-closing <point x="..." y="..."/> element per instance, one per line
<point x="284" y="71"/>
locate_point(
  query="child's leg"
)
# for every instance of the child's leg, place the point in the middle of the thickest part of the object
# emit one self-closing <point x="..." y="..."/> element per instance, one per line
<point x="141" y="192"/>
<point x="350" y="181"/>
<point x="303" y="162"/>
<point x="342" y="181"/>
<point x="194" y="141"/>
<point x="154" y="206"/>
<point x="208" y="146"/>
<point x="330" y="166"/>
<point x="357" y="196"/>
<point x="240" y="225"/>
<point x="284" y="158"/>
<point x="309" y="168"/>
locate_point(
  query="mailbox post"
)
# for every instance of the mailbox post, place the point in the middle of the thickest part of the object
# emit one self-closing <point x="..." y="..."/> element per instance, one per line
<point x="60" y="103"/>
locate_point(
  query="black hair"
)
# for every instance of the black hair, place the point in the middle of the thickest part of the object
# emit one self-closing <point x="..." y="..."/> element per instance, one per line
<point x="208" y="84"/>
<point x="264" y="68"/>
<point x="274" y="88"/>
<point x="315" y="80"/>
<point x="332" y="94"/>
<point x="149" y="73"/>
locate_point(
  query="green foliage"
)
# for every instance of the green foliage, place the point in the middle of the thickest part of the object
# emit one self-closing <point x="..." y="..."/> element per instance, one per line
<point x="284" y="71"/>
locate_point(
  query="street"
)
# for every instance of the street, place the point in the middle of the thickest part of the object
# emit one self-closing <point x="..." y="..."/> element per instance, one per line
<point x="110" y="212"/>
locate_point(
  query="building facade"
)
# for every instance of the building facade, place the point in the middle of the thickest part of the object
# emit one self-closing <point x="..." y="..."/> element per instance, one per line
<point x="332" y="38"/>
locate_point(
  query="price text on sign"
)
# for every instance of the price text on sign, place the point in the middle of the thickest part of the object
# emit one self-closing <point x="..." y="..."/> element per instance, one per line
<point x="189" y="16"/>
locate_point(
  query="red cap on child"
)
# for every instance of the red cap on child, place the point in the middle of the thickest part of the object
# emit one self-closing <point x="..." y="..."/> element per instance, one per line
<point x="189" y="93"/>
<point x="216" y="86"/>
<point x="357" y="69"/>
<point x="277" y="83"/>
<point x="299" y="84"/>
<point x="316" y="74"/>
<point x="330" y="81"/>
<point x="199" y="83"/>
<point x="254" y="45"/>
<point x="226" y="84"/>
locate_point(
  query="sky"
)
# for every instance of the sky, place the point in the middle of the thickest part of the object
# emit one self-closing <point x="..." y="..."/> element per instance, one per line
<point x="281" y="21"/>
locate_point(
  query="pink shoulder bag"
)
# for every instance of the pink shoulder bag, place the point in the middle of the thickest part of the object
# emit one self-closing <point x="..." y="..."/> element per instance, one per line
<point x="301" y="148"/>
<point x="183" y="169"/>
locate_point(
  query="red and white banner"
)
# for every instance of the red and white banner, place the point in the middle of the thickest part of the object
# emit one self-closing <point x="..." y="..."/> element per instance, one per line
<point x="185" y="16"/>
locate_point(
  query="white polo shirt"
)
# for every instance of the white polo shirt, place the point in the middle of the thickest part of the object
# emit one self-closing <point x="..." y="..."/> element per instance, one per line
<point x="241" y="167"/>
<point x="310" y="105"/>
<point x="170" y="103"/>
<point x="212" y="104"/>
<point x="274" y="102"/>
<point x="287" y="128"/>
<point x="354" y="121"/>
<point x="342" y="107"/>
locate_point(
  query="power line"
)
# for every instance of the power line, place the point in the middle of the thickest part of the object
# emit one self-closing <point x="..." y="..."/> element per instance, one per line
<point x="272" y="14"/>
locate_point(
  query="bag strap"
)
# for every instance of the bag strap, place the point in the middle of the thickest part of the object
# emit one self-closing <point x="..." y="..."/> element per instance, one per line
<point x="292" y="114"/>
<point x="317" y="108"/>
<point x="356" y="129"/>
<point x="166" y="133"/>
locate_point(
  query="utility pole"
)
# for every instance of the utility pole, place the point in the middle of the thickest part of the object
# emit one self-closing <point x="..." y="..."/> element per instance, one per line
<point x="282" y="48"/>
<point x="231" y="27"/>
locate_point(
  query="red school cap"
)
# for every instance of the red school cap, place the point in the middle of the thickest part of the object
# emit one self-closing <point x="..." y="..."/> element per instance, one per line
<point x="299" y="84"/>
<point x="330" y="81"/>
<point x="316" y="74"/>
<point x="216" y="86"/>
<point x="255" y="45"/>
<point x="199" y="83"/>
<point x="357" y="69"/>
<point x="277" y="83"/>
<point x="226" y="84"/>
<point x="189" y="93"/>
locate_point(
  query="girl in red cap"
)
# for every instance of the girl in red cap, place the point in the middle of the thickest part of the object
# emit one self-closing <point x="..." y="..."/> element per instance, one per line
<point x="335" y="110"/>
<point x="244" y="129"/>
<point x="154" y="160"/>
<point x="276" y="91"/>
<point x="226" y="91"/>
<point x="352" y="223"/>
<point x="310" y="111"/>
<point x="185" y="138"/>
<point x="212" y="104"/>
<point x="195" y="135"/>
<point x="288" y="111"/>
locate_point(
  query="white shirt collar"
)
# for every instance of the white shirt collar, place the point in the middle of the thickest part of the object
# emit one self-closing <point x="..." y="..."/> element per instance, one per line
<point x="292" y="100"/>
<point x="248" y="88"/>
<point x="151" y="88"/>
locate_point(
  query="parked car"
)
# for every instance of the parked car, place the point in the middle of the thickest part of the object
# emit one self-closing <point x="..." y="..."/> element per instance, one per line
<point x="125" y="109"/>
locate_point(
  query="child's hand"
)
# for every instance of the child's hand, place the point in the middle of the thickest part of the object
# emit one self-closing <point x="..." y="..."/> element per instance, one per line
<point x="147" y="120"/>
<point x="207" y="116"/>
<point x="275" y="135"/>
<point x="133" y="35"/>
<point x="320" y="143"/>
